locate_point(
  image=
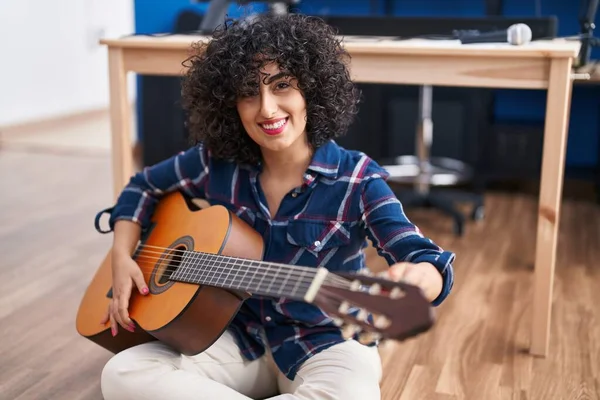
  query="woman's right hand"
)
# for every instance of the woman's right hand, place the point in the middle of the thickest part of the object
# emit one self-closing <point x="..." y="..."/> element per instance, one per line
<point x="125" y="274"/>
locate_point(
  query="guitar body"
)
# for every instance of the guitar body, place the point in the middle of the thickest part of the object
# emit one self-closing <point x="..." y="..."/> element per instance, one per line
<point x="187" y="317"/>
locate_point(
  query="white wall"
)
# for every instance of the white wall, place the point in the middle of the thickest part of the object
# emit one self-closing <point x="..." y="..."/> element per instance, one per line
<point x="50" y="61"/>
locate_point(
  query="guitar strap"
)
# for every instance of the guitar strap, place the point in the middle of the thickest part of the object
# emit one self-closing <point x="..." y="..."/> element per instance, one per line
<point x="97" y="220"/>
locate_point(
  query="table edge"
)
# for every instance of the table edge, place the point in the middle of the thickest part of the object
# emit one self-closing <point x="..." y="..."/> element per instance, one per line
<point x="355" y="48"/>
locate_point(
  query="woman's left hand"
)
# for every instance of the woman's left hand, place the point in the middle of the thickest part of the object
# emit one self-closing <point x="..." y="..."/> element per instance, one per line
<point x="423" y="275"/>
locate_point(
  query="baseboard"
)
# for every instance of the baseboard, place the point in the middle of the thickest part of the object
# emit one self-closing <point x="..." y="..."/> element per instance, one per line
<point x="40" y="125"/>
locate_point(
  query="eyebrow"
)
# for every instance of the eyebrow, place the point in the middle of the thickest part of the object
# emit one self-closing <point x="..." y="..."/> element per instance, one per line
<point x="268" y="79"/>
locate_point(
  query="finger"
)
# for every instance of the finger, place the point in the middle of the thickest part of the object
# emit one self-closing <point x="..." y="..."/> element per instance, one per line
<point x="140" y="283"/>
<point x="114" y="310"/>
<point x="123" y="312"/>
<point x="418" y="278"/>
<point x="114" y="329"/>
<point x="413" y="276"/>
<point x="397" y="271"/>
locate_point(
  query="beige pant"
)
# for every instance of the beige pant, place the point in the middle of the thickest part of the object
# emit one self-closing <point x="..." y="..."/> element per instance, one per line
<point x="346" y="371"/>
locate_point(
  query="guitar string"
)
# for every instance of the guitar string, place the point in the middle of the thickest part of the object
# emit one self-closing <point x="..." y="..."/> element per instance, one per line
<point x="184" y="252"/>
<point x="297" y="270"/>
<point x="303" y="282"/>
<point x="251" y="273"/>
<point x="231" y="261"/>
<point x="276" y="286"/>
<point x="279" y="285"/>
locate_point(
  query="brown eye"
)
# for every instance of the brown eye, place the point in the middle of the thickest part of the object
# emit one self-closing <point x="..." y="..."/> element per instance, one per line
<point x="282" y="85"/>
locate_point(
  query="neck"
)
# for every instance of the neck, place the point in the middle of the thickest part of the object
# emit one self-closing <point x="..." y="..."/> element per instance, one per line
<point x="291" y="162"/>
<point x="257" y="277"/>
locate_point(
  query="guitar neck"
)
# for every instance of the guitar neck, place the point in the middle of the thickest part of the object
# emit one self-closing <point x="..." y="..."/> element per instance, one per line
<point x="257" y="277"/>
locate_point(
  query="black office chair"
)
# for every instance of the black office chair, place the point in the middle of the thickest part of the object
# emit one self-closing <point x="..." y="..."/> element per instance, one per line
<point x="425" y="172"/>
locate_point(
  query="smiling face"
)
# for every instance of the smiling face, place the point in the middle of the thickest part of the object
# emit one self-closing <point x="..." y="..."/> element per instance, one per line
<point x="275" y="116"/>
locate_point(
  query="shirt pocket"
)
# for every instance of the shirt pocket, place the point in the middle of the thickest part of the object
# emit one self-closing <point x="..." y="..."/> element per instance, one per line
<point x="321" y="239"/>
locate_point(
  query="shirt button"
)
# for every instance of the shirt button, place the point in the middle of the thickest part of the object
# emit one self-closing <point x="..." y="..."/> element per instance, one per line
<point x="317" y="243"/>
<point x="268" y="319"/>
<point x="294" y="194"/>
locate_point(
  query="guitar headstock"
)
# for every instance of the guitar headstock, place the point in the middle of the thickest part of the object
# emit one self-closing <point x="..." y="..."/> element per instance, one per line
<point x="374" y="307"/>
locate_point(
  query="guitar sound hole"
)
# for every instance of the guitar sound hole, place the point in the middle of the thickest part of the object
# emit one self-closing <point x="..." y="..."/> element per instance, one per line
<point x="170" y="264"/>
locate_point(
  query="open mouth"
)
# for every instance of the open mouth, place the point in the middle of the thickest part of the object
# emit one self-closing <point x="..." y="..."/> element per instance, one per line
<point x="274" y="127"/>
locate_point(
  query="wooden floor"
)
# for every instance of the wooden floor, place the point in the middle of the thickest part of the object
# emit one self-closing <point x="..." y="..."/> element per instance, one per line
<point x="477" y="350"/>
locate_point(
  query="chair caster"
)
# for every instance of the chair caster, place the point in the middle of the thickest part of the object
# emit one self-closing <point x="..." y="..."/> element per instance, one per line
<point x="478" y="213"/>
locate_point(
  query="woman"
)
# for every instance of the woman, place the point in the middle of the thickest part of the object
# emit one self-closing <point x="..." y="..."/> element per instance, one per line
<point x="265" y="101"/>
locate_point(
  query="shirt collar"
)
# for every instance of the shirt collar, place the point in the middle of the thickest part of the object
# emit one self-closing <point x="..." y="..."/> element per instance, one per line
<point x="326" y="160"/>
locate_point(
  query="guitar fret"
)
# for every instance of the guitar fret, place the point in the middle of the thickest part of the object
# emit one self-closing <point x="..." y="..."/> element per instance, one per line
<point x="184" y="267"/>
<point x="274" y="278"/>
<point x="224" y="272"/>
<point x="282" y="288"/>
<point x="210" y="267"/>
<point x="192" y="276"/>
<point x="180" y="271"/>
<point x="218" y="276"/>
<point x="298" y="283"/>
<point x="204" y="268"/>
<point x="261" y="279"/>
<point x="249" y="275"/>
<point x="234" y="281"/>
<point x="243" y="284"/>
<point x="197" y="257"/>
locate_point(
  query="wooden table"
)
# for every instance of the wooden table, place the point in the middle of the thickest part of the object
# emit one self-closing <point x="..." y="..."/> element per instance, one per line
<point x="539" y="65"/>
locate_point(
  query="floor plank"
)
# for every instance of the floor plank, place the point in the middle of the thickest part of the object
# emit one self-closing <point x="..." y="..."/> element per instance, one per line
<point x="476" y="350"/>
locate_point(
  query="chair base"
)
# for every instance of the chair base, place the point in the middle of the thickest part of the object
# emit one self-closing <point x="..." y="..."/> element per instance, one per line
<point x="442" y="171"/>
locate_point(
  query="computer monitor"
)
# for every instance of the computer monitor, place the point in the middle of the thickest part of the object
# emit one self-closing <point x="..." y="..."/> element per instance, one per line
<point x="217" y="11"/>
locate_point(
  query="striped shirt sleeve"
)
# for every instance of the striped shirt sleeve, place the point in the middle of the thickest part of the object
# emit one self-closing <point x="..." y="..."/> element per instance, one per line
<point x="396" y="238"/>
<point x="186" y="172"/>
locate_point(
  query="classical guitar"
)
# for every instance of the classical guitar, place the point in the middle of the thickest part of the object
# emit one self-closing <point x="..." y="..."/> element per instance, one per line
<point x="202" y="264"/>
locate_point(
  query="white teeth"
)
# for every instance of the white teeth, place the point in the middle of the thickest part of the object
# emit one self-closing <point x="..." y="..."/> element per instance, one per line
<point x="276" y="125"/>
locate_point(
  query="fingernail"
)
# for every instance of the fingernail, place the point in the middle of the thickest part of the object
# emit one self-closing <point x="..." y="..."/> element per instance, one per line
<point x="145" y="290"/>
<point x="131" y="328"/>
<point x="113" y="331"/>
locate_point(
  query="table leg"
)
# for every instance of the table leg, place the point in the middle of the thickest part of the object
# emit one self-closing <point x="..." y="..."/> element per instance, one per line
<point x="120" y="116"/>
<point x="553" y="161"/>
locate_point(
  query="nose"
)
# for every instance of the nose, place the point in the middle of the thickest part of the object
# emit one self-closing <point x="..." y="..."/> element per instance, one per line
<point x="268" y="104"/>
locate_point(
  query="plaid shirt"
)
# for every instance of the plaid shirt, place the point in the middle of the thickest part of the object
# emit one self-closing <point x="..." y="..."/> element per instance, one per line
<point x="343" y="200"/>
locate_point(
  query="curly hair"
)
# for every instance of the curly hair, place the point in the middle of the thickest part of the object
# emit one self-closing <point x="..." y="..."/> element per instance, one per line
<point x="227" y="67"/>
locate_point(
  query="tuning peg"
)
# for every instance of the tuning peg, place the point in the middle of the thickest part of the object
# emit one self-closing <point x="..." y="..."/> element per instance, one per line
<point x="381" y="322"/>
<point x="344" y="307"/>
<point x="375" y="289"/>
<point x="368" y="337"/>
<point x="397" y="293"/>
<point x="362" y="315"/>
<point x="355" y="285"/>
<point x="350" y="330"/>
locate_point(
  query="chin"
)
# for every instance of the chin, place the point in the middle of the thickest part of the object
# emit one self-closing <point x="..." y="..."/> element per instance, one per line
<point x="279" y="142"/>
<point x="276" y="145"/>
